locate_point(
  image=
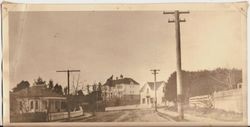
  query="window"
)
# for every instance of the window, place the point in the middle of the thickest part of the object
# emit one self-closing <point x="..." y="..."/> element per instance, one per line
<point x="31" y="105"/>
<point x="36" y="105"/>
<point x="151" y="100"/>
<point x="147" y="90"/>
<point x="143" y="101"/>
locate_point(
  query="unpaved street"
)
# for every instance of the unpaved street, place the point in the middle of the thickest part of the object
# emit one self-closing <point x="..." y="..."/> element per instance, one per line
<point x="127" y="116"/>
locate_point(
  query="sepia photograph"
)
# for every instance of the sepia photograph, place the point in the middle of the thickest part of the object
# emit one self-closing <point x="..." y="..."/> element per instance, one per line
<point x="139" y="64"/>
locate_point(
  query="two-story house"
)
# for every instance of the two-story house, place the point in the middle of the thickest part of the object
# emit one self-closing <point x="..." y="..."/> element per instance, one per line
<point x="147" y="94"/>
<point x="122" y="91"/>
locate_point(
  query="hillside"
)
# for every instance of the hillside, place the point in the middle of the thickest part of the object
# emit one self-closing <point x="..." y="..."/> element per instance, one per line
<point x="203" y="82"/>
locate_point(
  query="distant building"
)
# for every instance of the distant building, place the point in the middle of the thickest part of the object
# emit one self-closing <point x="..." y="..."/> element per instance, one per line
<point x="121" y="91"/>
<point x="37" y="98"/>
<point x="147" y="94"/>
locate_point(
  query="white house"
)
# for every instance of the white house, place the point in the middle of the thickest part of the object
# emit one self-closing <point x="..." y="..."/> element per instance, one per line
<point x="127" y="90"/>
<point x="147" y="94"/>
<point x="37" y="98"/>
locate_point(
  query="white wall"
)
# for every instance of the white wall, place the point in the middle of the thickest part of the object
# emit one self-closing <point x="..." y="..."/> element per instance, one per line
<point x="131" y="89"/>
<point x="229" y="100"/>
<point x="125" y="89"/>
<point x="160" y="94"/>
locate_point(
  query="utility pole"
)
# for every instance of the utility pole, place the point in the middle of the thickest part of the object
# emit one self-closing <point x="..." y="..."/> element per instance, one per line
<point x="68" y="76"/>
<point x="178" y="57"/>
<point x="155" y="72"/>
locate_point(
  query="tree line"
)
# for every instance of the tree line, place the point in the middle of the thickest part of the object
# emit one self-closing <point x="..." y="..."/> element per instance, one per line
<point x="57" y="88"/>
<point x="196" y="83"/>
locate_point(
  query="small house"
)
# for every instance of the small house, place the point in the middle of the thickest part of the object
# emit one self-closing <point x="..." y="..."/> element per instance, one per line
<point x="37" y="98"/>
<point x="147" y="94"/>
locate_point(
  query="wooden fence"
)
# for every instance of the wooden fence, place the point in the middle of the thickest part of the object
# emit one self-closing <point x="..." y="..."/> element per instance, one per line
<point x="230" y="100"/>
<point x="204" y="101"/>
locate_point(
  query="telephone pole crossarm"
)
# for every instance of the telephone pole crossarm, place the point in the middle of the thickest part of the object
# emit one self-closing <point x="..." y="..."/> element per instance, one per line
<point x="172" y="12"/>
<point x="171" y="21"/>
<point x="168" y="12"/>
<point x="68" y="71"/>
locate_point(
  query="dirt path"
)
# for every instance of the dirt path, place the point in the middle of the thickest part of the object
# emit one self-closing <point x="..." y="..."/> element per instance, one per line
<point x="127" y="116"/>
<point x="141" y="116"/>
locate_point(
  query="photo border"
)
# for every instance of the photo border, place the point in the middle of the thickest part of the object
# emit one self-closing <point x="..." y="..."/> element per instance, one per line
<point x="12" y="7"/>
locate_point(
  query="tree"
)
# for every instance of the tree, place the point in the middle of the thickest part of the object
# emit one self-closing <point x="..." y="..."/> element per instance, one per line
<point x="94" y="87"/>
<point x="80" y="93"/>
<point x="58" y="89"/>
<point x="121" y="76"/>
<point x="88" y="89"/>
<point x="203" y="82"/>
<point x="39" y="81"/>
<point x="65" y="91"/>
<point x="170" y="88"/>
<point x="99" y="86"/>
<point x="22" y="85"/>
<point x="99" y="91"/>
<point x="51" y="84"/>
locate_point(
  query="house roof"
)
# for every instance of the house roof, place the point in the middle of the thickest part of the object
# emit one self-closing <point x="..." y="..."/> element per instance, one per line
<point x="36" y="91"/>
<point x="151" y="85"/>
<point x="126" y="81"/>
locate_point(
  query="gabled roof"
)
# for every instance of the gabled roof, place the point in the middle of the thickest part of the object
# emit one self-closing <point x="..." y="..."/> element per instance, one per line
<point x="126" y="81"/>
<point x="36" y="91"/>
<point x="151" y="85"/>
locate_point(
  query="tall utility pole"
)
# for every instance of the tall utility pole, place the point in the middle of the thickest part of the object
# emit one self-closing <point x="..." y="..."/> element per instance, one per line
<point x="68" y="76"/>
<point x="178" y="57"/>
<point x="155" y="72"/>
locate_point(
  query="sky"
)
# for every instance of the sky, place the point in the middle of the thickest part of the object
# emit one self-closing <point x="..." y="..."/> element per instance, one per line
<point x="131" y="43"/>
